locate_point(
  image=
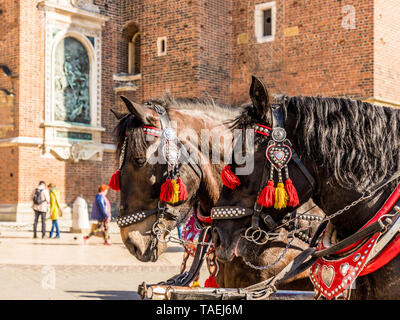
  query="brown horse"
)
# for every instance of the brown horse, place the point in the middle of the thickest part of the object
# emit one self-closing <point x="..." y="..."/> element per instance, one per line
<point x="141" y="181"/>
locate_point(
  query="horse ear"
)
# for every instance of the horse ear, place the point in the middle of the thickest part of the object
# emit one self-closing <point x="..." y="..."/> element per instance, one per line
<point x="259" y="97"/>
<point x="117" y="114"/>
<point x="143" y="114"/>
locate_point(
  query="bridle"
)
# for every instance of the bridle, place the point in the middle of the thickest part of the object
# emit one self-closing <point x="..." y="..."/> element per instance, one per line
<point x="255" y="233"/>
<point x="168" y="138"/>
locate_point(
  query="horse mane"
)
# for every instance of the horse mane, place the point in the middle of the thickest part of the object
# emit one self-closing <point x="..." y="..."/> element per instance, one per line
<point x="129" y="124"/>
<point x="356" y="142"/>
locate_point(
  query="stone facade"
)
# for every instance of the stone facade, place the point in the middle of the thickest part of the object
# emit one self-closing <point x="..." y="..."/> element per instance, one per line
<point x="330" y="48"/>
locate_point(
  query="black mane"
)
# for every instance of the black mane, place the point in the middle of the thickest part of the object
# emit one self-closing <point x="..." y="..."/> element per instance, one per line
<point x="356" y="142"/>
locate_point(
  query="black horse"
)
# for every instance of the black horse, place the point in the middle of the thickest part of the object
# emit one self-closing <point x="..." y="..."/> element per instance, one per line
<point x="348" y="147"/>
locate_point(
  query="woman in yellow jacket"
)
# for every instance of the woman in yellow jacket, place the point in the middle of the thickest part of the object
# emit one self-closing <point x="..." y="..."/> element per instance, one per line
<point x="54" y="209"/>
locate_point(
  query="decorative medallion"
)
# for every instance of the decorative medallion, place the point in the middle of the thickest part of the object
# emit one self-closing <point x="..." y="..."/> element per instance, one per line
<point x="344" y="268"/>
<point x="279" y="134"/>
<point x="327" y="275"/>
<point x="171" y="153"/>
<point x="332" y="277"/>
<point x="169" y="134"/>
<point x="279" y="155"/>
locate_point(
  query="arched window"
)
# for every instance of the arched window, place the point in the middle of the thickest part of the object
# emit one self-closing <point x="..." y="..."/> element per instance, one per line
<point x="71" y="82"/>
<point x="132" y="36"/>
<point x="134" y="54"/>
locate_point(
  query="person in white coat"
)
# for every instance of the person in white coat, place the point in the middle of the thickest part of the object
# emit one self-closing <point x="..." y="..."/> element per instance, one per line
<point x="41" y="205"/>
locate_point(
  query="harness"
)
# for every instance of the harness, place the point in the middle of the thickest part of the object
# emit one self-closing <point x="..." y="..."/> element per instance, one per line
<point x="278" y="154"/>
<point x="334" y="266"/>
<point x="175" y="154"/>
<point x="339" y="264"/>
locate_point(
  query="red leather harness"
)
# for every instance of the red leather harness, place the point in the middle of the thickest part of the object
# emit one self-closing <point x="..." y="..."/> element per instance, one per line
<point x="332" y="276"/>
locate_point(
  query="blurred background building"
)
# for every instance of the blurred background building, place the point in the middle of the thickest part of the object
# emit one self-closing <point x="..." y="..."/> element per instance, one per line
<point x="64" y="64"/>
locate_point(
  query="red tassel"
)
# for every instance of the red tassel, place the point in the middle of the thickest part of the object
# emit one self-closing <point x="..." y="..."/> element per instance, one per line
<point x="229" y="179"/>
<point x="267" y="195"/>
<point x="114" y="181"/>
<point x="167" y="191"/>
<point x="182" y="190"/>
<point x="211" y="283"/>
<point x="292" y="193"/>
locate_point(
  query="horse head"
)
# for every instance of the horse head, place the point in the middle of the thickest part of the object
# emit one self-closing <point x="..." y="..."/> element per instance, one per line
<point x="243" y="202"/>
<point x="159" y="149"/>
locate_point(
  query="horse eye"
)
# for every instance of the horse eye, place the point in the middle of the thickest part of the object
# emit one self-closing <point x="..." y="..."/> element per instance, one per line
<point x="139" y="162"/>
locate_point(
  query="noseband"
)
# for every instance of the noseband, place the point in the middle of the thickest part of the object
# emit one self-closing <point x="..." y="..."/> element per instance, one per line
<point x="168" y="138"/>
<point x="279" y="153"/>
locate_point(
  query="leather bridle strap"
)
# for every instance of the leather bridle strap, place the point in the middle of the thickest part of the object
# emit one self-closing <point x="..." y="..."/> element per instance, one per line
<point x="165" y="124"/>
<point x="126" y="217"/>
<point x="278" y="122"/>
<point x="304" y="171"/>
<point x="228" y="212"/>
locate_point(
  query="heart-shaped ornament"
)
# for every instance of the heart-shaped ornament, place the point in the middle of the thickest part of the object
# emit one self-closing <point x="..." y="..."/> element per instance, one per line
<point x="278" y="155"/>
<point x="327" y="275"/>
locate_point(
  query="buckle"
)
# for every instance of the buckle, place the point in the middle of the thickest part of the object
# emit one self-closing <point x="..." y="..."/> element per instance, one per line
<point x="269" y="222"/>
<point x="257" y="207"/>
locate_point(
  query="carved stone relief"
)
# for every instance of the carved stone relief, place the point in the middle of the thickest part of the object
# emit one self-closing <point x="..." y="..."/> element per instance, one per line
<point x="72" y="122"/>
<point x="85" y="4"/>
<point x="71" y="87"/>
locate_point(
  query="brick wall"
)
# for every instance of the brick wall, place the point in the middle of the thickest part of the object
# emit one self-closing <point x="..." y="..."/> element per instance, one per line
<point x="9" y="55"/>
<point x="211" y="50"/>
<point x="322" y="59"/>
<point x="214" y="49"/>
<point x="27" y="163"/>
<point x="8" y="175"/>
<point x="386" y="51"/>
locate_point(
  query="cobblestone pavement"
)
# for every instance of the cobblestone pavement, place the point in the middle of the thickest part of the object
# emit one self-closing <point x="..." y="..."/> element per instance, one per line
<point x="66" y="268"/>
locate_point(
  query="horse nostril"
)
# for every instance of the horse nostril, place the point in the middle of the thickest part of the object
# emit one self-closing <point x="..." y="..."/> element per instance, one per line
<point x="215" y="237"/>
<point x="139" y="162"/>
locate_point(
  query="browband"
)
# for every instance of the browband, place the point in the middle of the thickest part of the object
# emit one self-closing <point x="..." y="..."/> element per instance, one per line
<point x="166" y="124"/>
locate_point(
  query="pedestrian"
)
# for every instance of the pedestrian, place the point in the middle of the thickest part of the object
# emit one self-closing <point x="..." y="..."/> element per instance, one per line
<point x="55" y="209"/>
<point x="41" y="201"/>
<point x="101" y="211"/>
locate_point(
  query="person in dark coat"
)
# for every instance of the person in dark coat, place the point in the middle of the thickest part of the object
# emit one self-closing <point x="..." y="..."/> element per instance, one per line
<point x="101" y="211"/>
<point x="41" y="202"/>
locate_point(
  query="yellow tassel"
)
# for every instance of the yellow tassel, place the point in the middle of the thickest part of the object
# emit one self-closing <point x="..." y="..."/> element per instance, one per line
<point x="195" y="284"/>
<point x="175" y="192"/>
<point x="281" y="197"/>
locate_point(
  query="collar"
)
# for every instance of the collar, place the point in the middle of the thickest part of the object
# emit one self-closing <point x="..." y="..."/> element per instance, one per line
<point x="333" y="275"/>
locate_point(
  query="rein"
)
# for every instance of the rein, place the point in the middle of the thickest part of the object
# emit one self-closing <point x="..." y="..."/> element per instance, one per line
<point x="377" y="227"/>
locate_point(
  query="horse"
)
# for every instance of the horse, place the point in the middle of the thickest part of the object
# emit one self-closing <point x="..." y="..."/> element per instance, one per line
<point x="140" y="181"/>
<point x="346" y="159"/>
